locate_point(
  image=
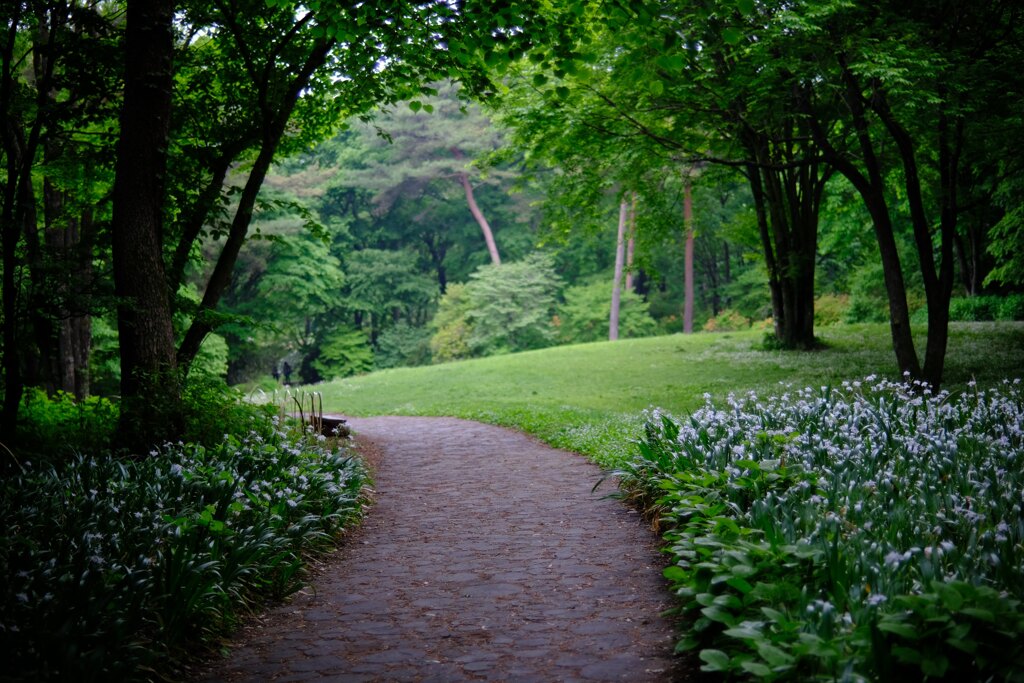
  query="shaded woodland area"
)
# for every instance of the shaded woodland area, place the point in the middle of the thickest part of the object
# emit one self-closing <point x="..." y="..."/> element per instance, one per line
<point x="227" y="189"/>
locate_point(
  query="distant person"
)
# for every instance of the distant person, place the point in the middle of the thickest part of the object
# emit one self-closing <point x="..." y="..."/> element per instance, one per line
<point x="287" y="369"/>
<point x="276" y="373"/>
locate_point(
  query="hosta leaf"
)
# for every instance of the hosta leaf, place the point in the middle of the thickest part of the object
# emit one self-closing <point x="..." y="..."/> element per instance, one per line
<point x="715" y="660"/>
<point x="774" y="655"/>
<point x="740" y="584"/>
<point x="934" y="664"/>
<point x="744" y="633"/>
<point x="674" y="573"/>
<point x="899" y="628"/>
<point x="716" y="613"/>
<point x="978" y="613"/>
<point x="968" y="646"/>
<point x="757" y="668"/>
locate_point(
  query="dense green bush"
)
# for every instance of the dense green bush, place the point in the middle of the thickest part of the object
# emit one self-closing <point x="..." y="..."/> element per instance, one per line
<point x="584" y="315"/>
<point x="987" y="307"/>
<point x="402" y="345"/>
<point x="343" y="351"/>
<point x="830" y="309"/>
<point x="112" y="566"/>
<point x="727" y="321"/>
<point x="871" y="532"/>
<point x="59" y="425"/>
<point x="501" y="309"/>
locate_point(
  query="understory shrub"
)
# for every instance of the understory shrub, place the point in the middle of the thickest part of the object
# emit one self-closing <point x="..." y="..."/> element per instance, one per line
<point x="584" y="315"/>
<point x="727" y="321"/>
<point x="113" y="566"/>
<point x="869" y="532"/>
<point x="985" y="307"/>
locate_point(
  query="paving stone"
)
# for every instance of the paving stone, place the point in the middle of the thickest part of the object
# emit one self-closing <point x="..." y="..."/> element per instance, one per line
<point x="486" y="556"/>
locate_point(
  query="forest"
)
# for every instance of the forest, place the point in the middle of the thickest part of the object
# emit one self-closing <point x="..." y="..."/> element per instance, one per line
<point x="403" y="185"/>
<point x="204" y="200"/>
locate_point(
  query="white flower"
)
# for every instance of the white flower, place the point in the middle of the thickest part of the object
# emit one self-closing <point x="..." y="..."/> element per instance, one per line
<point x="876" y="599"/>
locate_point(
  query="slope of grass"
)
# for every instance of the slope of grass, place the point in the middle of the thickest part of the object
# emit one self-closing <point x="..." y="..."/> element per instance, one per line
<point x="589" y="397"/>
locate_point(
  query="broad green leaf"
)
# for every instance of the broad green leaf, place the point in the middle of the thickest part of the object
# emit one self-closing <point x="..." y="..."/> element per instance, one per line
<point x="674" y="573"/>
<point x="899" y="628"/>
<point x="716" y="660"/>
<point x="740" y="584"/>
<point x="715" y="613"/>
<point x="979" y="613"/>
<point x="756" y="668"/>
<point x="745" y="6"/>
<point x="656" y="87"/>
<point x="934" y="664"/>
<point x="415" y="105"/>
<point x="744" y="633"/>
<point x="774" y="655"/>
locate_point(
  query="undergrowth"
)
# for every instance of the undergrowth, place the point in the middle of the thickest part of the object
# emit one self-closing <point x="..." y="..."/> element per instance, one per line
<point x="114" y="567"/>
<point x="868" y="532"/>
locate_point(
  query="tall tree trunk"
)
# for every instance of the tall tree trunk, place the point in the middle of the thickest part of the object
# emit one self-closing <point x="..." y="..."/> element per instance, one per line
<point x="630" y="245"/>
<point x="274" y="126"/>
<point x="150" y="387"/>
<point x="688" y="257"/>
<point x="871" y="188"/>
<point x="474" y="208"/>
<point x="613" y="318"/>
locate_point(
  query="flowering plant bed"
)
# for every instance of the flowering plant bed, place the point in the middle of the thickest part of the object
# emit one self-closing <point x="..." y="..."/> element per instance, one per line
<point x="868" y="532"/>
<point x="114" y="567"/>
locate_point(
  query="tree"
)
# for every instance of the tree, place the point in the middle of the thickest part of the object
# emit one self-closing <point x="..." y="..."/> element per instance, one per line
<point x="150" y="390"/>
<point x="913" y="88"/>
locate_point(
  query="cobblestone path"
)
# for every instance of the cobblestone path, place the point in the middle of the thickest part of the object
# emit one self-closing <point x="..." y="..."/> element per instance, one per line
<point x="485" y="557"/>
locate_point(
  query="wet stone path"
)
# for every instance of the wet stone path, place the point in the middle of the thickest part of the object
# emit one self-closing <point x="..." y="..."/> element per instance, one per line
<point x="486" y="557"/>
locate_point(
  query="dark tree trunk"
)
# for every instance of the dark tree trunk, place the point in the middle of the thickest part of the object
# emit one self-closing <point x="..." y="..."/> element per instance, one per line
<point x="871" y="188"/>
<point x="150" y="386"/>
<point x="274" y="124"/>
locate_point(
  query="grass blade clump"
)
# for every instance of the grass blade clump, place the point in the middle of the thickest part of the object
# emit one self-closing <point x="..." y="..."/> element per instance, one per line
<point x="868" y="532"/>
<point x="114" y="566"/>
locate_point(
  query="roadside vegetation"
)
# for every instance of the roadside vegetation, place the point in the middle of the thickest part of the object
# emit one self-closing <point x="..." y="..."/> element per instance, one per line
<point x="122" y="568"/>
<point x="816" y="527"/>
<point x="588" y="397"/>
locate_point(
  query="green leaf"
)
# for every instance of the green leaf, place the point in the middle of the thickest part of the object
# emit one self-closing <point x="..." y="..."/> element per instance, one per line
<point x="562" y="92"/>
<point x="757" y="669"/>
<point x="716" y="613"/>
<point x="899" y="628"/>
<point x="740" y="584"/>
<point x="656" y="87"/>
<point x="674" y="573"/>
<point x="539" y="80"/>
<point x="950" y="596"/>
<point x="733" y="36"/>
<point x="979" y="613"/>
<point x="774" y="655"/>
<point x="415" y="105"/>
<point x="934" y="664"/>
<point x="744" y="633"/>
<point x="429" y="108"/>
<point x="745" y="6"/>
<point x="968" y="646"/>
<point x="716" y="660"/>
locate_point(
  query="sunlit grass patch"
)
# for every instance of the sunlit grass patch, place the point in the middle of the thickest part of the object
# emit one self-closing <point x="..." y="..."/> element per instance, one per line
<point x="869" y="530"/>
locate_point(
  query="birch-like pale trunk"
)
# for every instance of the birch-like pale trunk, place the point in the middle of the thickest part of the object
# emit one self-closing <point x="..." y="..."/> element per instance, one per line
<point x="630" y="244"/>
<point x="613" y="319"/>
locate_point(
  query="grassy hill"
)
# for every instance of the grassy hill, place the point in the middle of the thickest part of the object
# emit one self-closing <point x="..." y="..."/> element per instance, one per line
<point x="589" y="397"/>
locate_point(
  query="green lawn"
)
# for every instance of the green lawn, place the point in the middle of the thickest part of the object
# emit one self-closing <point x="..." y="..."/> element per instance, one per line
<point x="589" y="397"/>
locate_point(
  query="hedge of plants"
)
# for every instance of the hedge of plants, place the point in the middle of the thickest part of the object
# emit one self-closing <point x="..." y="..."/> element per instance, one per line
<point x="113" y="566"/>
<point x="872" y="531"/>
